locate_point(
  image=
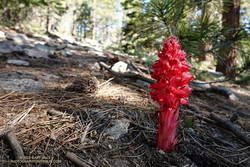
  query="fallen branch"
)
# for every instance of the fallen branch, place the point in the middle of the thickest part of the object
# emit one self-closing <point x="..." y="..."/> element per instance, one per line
<point x="126" y="75"/>
<point x="75" y="159"/>
<point x="224" y="91"/>
<point x="238" y="131"/>
<point x="15" y="145"/>
<point x="199" y="116"/>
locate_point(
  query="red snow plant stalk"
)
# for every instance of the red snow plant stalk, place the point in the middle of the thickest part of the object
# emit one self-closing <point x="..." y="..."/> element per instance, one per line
<point x="171" y="90"/>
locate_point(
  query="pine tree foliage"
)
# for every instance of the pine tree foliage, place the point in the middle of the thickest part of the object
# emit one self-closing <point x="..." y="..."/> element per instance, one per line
<point x="14" y="11"/>
<point x="198" y="23"/>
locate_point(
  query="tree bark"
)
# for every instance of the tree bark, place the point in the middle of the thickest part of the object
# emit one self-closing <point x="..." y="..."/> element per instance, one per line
<point x="48" y="23"/>
<point x="228" y="52"/>
<point x="94" y="20"/>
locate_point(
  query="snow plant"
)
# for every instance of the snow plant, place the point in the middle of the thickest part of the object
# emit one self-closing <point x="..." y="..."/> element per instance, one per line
<point x="171" y="90"/>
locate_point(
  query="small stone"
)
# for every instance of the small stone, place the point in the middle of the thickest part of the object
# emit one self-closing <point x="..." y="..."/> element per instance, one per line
<point x="18" y="62"/>
<point x="120" y="67"/>
<point x="110" y="146"/>
<point x="161" y="152"/>
<point x="233" y="97"/>
<point x="94" y="67"/>
<point x="119" y="128"/>
<point x="67" y="52"/>
<point x="2" y="34"/>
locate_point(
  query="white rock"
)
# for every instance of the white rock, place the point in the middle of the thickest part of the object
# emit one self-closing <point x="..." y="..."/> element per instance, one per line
<point x="2" y="34"/>
<point x="18" y="62"/>
<point x="120" y="67"/>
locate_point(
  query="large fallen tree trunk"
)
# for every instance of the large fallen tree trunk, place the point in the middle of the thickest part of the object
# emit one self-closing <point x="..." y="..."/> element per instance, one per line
<point x="238" y="131"/>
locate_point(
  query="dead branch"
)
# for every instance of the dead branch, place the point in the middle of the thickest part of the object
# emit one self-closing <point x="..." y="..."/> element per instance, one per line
<point x="199" y="116"/>
<point x="15" y="145"/>
<point x="75" y="159"/>
<point x="238" y="131"/>
<point x="224" y="91"/>
<point x="126" y="75"/>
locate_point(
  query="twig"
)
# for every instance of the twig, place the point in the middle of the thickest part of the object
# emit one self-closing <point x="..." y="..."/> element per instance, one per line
<point x="22" y="116"/>
<point x="200" y="116"/>
<point x="104" y="83"/>
<point x="15" y="145"/>
<point x="75" y="159"/>
<point x="126" y="75"/>
<point x="232" y="127"/>
<point x="6" y="95"/>
<point x="214" y="153"/>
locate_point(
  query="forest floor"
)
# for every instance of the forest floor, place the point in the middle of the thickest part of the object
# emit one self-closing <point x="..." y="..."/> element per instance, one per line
<point x="84" y="110"/>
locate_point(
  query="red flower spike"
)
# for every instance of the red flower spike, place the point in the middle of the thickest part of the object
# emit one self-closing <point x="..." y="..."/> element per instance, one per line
<point x="171" y="90"/>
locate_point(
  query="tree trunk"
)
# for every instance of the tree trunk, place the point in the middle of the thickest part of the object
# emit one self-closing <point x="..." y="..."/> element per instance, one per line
<point x="205" y="13"/>
<point x="48" y="20"/>
<point x="94" y="20"/>
<point x="228" y="52"/>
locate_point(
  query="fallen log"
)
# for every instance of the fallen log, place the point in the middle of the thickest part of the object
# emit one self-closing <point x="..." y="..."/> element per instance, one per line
<point x="15" y="145"/>
<point x="76" y="160"/>
<point x="237" y="130"/>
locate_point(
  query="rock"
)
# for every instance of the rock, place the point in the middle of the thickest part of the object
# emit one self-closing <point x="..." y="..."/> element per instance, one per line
<point x="120" y="67"/>
<point x="119" y="128"/>
<point x="233" y="97"/>
<point x="20" y="85"/>
<point x="67" y="52"/>
<point x="46" y="77"/>
<point x="98" y="53"/>
<point x="74" y="47"/>
<point x="19" y="39"/>
<point x="36" y="53"/>
<point x="18" y="62"/>
<point x="2" y="34"/>
<point x="94" y="67"/>
<point x="9" y="47"/>
<point x="45" y="48"/>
